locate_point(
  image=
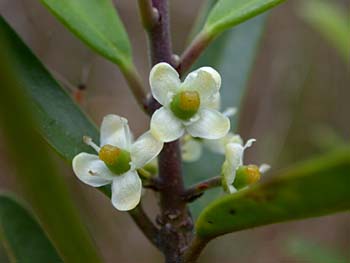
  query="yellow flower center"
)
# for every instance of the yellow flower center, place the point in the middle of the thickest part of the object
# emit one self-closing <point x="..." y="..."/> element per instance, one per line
<point x="185" y="104"/>
<point x="246" y="175"/>
<point x="116" y="159"/>
<point x="254" y="174"/>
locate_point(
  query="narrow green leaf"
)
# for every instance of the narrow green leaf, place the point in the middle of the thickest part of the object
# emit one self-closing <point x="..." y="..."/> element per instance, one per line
<point x="233" y="55"/>
<point x="330" y="21"/>
<point x="60" y="120"/>
<point x="315" y="188"/>
<point x="228" y="13"/>
<point x="45" y="190"/>
<point x="22" y="236"/>
<point x="97" y="23"/>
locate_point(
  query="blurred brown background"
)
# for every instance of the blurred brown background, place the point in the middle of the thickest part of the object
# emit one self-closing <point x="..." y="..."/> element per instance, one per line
<point x="297" y="106"/>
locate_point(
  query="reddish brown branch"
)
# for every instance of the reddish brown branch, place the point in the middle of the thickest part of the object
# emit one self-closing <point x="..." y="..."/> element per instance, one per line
<point x="197" y="190"/>
<point x="194" y="50"/>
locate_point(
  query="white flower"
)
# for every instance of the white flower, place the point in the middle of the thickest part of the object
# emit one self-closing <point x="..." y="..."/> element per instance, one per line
<point x="117" y="161"/>
<point x="187" y="106"/>
<point x="234" y="159"/>
<point x="192" y="148"/>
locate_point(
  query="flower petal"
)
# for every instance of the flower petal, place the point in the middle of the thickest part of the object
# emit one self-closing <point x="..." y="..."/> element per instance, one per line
<point x="165" y="126"/>
<point x="126" y="191"/>
<point x="228" y="178"/>
<point x="263" y="168"/>
<point x="115" y="131"/>
<point x="164" y="81"/>
<point x="234" y="155"/>
<point x="145" y="149"/>
<point x="191" y="150"/>
<point x="218" y="145"/>
<point x="211" y="125"/>
<point x="91" y="170"/>
<point x="213" y="103"/>
<point x="206" y="81"/>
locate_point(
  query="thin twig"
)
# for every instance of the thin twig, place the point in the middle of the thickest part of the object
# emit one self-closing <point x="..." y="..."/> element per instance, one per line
<point x="135" y="84"/>
<point x="194" y="249"/>
<point x="194" y="50"/>
<point x="146" y="225"/>
<point x="198" y="189"/>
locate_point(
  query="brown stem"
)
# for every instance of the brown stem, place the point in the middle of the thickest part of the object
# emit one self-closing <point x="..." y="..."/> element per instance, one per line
<point x="175" y="220"/>
<point x="194" y="50"/>
<point x="197" y="190"/>
<point x="195" y="248"/>
<point x="149" y="14"/>
<point x="145" y="224"/>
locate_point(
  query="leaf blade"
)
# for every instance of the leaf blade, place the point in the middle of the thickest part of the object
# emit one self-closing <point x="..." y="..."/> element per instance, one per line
<point x="60" y="120"/>
<point x="45" y="190"/>
<point x="95" y="22"/>
<point x="228" y="13"/>
<point x="298" y="194"/>
<point x="23" y="235"/>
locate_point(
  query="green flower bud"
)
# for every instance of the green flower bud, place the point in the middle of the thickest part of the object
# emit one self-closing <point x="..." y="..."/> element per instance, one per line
<point x="246" y="175"/>
<point x="117" y="160"/>
<point x="185" y="104"/>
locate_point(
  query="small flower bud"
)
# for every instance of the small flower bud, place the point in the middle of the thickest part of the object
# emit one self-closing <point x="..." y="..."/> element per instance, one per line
<point x="246" y="175"/>
<point x="116" y="159"/>
<point x="185" y="104"/>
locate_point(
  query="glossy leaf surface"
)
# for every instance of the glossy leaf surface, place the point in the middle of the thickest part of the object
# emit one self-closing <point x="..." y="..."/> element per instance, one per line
<point x="45" y="190"/>
<point x="315" y="188"/>
<point x="60" y="121"/>
<point x="227" y="13"/>
<point x="97" y="23"/>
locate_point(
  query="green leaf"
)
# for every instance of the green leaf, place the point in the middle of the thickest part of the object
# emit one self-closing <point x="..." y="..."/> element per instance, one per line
<point x="315" y="188"/>
<point x="228" y="13"/>
<point x="330" y="21"/>
<point x="59" y="119"/>
<point x="233" y="55"/>
<point x="97" y="23"/>
<point x="45" y="190"/>
<point x="22" y="236"/>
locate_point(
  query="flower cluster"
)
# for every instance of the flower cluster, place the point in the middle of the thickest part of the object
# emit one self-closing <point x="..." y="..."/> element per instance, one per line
<point x="190" y="111"/>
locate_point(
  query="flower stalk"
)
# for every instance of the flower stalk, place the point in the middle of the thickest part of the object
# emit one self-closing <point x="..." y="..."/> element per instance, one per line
<point x="144" y="223"/>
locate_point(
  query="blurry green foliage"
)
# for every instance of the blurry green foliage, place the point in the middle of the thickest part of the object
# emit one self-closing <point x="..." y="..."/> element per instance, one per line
<point x="59" y="119"/>
<point x="22" y="236"/>
<point x="45" y="190"/>
<point x="305" y="250"/>
<point x="332" y="22"/>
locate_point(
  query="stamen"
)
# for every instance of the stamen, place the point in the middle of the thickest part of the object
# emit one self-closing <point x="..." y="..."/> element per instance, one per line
<point x="264" y="168"/>
<point x="126" y="129"/>
<point x="229" y="112"/>
<point x="87" y="140"/>
<point x="92" y="173"/>
<point x="249" y="143"/>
